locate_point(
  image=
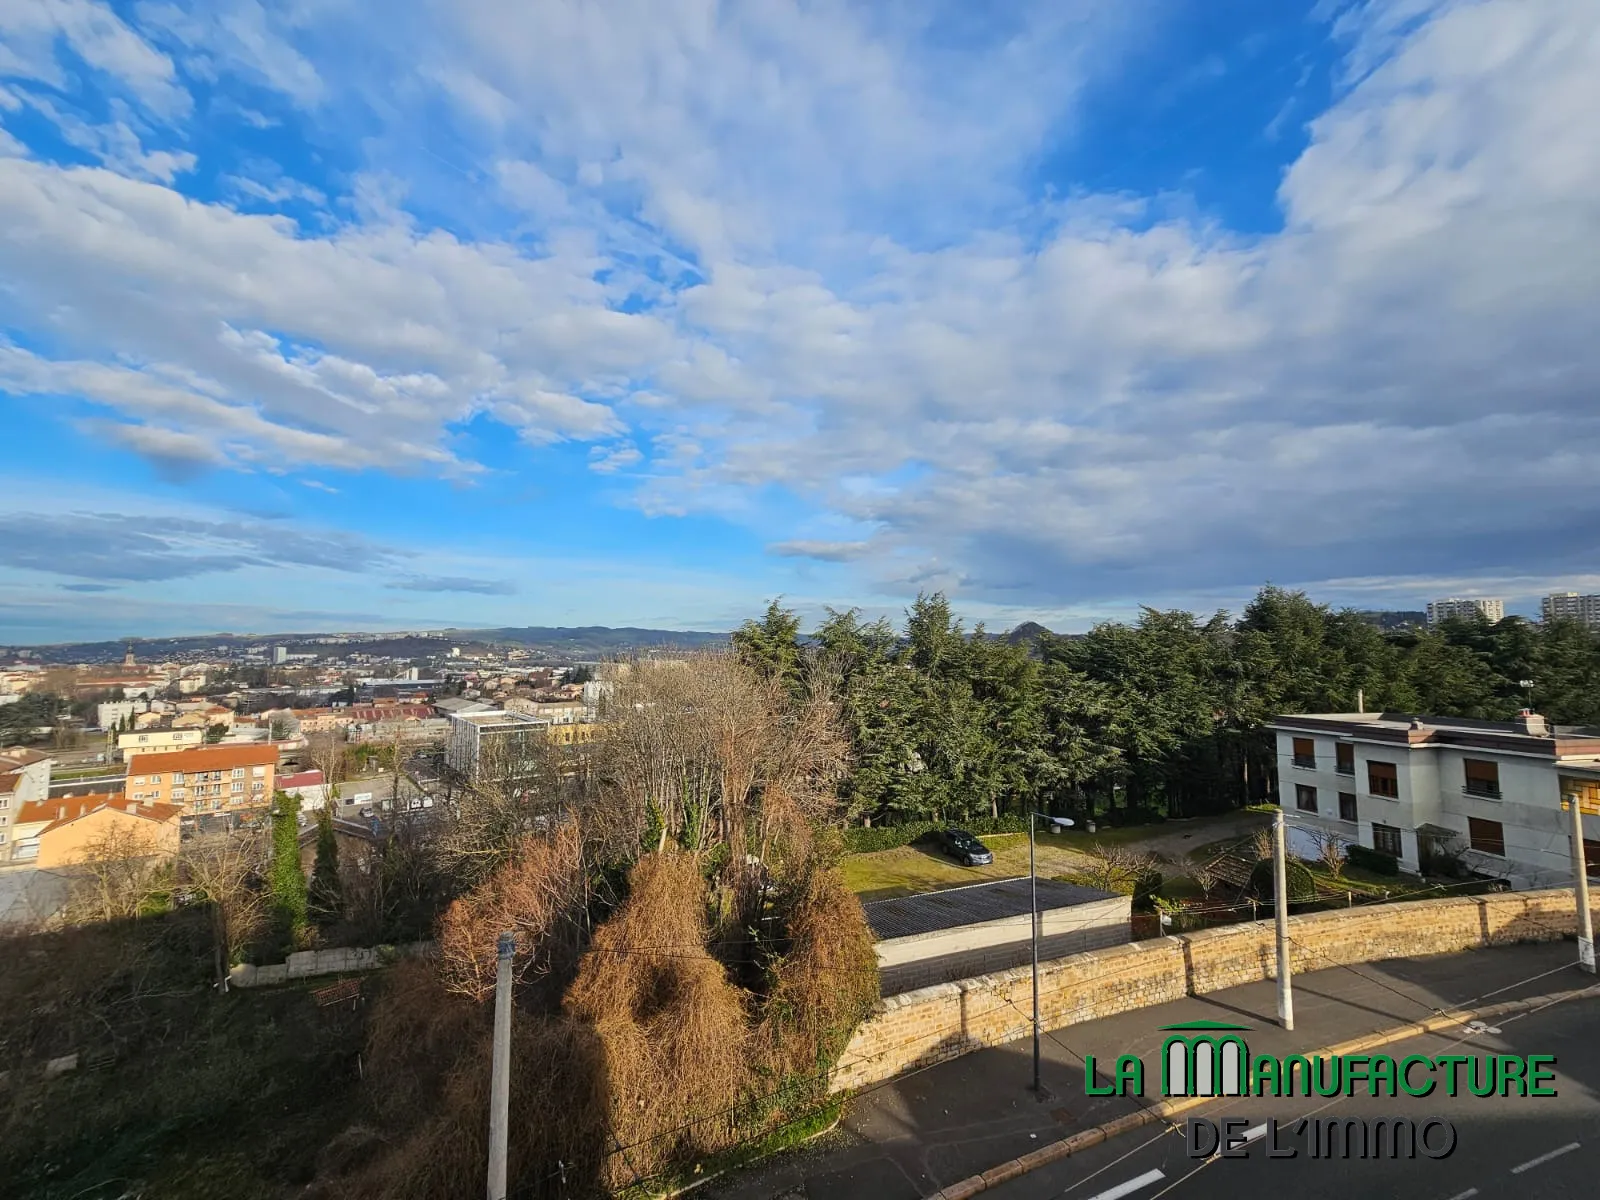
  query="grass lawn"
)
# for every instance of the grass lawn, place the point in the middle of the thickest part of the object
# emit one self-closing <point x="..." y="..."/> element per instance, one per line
<point x="907" y="870"/>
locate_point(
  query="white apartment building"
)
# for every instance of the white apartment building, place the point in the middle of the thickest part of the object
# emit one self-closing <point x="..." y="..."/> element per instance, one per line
<point x="24" y="779"/>
<point x="1405" y="785"/>
<point x="496" y="740"/>
<point x="1571" y="607"/>
<point x="159" y="741"/>
<point x="112" y="713"/>
<point x="1490" y="609"/>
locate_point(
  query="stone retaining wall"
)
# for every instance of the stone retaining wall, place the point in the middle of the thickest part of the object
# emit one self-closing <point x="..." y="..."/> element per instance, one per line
<point x="934" y="1023"/>
<point x="305" y="964"/>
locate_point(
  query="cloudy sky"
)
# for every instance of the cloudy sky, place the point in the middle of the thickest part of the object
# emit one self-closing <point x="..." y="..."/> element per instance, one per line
<point x="643" y="311"/>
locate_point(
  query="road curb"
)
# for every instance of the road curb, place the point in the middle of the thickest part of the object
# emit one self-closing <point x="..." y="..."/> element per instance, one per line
<point x="1168" y="1109"/>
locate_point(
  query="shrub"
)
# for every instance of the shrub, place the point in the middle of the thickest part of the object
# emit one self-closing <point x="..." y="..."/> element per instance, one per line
<point x="1145" y="888"/>
<point x="1372" y="860"/>
<point x="1297" y="876"/>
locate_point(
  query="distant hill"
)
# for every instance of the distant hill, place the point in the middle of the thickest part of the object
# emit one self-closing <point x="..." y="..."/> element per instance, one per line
<point x="597" y="640"/>
<point x="1027" y="633"/>
<point x="591" y="641"/>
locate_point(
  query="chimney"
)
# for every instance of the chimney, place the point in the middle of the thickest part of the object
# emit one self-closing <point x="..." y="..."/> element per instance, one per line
<point x="1532" y="724"/>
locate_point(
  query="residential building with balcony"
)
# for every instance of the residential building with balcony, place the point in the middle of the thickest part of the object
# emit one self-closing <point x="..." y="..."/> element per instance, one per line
<point x="211" y="779"/>
<point x="1490" y="609"/>
<point x="1570" y="606"/>
<point x="1418" y="787"/>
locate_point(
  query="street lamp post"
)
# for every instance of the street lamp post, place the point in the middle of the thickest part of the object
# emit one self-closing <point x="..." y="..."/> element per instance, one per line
<point x="1033" y="907"/>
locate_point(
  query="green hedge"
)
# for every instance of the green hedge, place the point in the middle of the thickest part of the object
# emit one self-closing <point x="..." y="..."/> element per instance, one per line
<point x="1297" y="876"/>
<point x="1372" y="860"/>
<point x="887" y="837"/>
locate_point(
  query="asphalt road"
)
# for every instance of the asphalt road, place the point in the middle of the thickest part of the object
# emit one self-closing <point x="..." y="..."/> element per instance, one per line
<point x="1513" y="1148"/>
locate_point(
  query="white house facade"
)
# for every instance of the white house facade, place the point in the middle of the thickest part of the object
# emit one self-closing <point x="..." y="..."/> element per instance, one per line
<point x="1405" y="785"/>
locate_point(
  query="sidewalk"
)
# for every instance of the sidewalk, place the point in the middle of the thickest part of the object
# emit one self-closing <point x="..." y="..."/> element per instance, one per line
<point x="907" y="1138"/>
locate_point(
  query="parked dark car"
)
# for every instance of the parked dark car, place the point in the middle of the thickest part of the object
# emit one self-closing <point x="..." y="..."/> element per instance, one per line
<point x="964" y="848"/>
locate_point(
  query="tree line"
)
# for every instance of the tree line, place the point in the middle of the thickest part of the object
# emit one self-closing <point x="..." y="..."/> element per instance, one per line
<point x="1161" y="717"/>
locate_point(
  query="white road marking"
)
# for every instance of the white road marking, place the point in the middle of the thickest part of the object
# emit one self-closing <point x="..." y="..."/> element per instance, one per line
<point x="1544" y="1158"/>
<point x="1133" y="1185"/>
<point x="1466" y="1195"/>
<point x="1259" y="1131"/>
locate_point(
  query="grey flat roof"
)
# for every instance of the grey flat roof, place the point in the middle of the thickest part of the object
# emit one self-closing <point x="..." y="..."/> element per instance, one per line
<point x="972" y="905"/>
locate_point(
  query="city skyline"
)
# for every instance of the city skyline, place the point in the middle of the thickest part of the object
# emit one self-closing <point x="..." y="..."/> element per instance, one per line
<point x="641" y="316"/>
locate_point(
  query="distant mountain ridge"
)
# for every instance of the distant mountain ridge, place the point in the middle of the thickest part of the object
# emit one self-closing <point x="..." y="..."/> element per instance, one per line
<point x="561" y="641"/>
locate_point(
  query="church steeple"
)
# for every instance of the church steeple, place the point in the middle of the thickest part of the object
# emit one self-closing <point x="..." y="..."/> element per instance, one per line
<point x="127" y="659"/>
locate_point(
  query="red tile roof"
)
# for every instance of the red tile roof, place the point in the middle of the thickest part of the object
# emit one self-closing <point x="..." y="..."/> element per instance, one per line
<point x="63" y="809"/>
<point x="206" y="758"/>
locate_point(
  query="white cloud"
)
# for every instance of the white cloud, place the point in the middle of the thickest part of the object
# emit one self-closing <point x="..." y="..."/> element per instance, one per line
<point x="31" y="30"/>
<point x="381" y="334"/>
<point x="839" y="283"/>
<point x="237" y="37"/>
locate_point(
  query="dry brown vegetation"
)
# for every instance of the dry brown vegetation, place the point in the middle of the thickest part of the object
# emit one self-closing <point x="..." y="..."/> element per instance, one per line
<point x="689" y="964"/>
<point x="539" y="895"/>
<point x="670" y="1022"/>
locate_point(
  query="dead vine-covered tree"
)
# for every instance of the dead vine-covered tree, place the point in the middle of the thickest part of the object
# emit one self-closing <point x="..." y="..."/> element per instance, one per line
<point x="539" y="895"/>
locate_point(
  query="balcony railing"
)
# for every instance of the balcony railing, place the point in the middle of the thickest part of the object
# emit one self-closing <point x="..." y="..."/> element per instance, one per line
<point x="1476" y="787"/>
<point x="1309" y="762"/>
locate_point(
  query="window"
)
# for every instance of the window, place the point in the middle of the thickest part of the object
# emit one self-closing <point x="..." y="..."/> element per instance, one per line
<point x="138" y="781"/>
<point x="1344" y="758"/>
<point x="1487" y="836"/>
<point x="238" y="787"/>
<point x="1305" y="798"/>
<point x="1386" y="838"/>
<point x="258" y="771"/>
<point x="238" y="772"/>
<point x="1483" y="778"/>
<point x="3" y="837"/>
<point x="258" y="786"/>
<point x="1305" y="752"/>
<point x="1347" y="806"/>
<point x="155" y="779"/>
<point x="1591" y="856"/>
<point x="177" y="777"/>
<point x="5" y="801"/>
<point x="1383" y="780"/>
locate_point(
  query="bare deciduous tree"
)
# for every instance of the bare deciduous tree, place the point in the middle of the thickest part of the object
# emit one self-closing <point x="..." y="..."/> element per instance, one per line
<point x="223" y="870"/>
<point x="1116" y="868"/>
<point x="1329" y="847"/>
<point x="115" y="874"/>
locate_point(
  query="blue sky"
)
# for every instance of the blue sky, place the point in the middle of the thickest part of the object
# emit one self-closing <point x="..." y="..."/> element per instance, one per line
<point x="486" y="312"/>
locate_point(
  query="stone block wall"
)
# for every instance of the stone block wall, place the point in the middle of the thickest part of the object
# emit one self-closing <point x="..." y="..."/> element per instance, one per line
<point x="934" y="1023"/>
